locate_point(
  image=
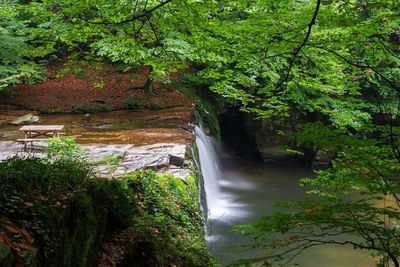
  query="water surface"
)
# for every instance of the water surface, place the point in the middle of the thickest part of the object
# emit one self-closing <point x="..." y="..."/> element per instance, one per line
<point x="117" y="127"/>
<point x="249" y="190"/>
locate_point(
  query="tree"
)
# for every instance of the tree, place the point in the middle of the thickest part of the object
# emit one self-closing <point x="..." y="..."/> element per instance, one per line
<point x="23" y="46"/>
<point x="336" y="64"/>
<point x="346" y="73"/>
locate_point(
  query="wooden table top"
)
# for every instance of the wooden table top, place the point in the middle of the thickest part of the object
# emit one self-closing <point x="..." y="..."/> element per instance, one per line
<point x="34" y="128"/>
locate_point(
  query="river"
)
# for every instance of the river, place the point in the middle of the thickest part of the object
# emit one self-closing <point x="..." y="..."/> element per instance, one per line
<point x="245" y="190"/>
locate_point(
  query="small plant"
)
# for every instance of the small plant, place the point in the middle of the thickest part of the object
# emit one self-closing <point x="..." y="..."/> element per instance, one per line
<point x="112" y="162"/>
<point x="91" y="108"/>
<point x="133" y="103"/>
<point x="153" y="106"/>
<point x="112" y="159"/>
<point x="99" y="85"/>
<point x="65" y="147"/>
<point x="80" y="73"/>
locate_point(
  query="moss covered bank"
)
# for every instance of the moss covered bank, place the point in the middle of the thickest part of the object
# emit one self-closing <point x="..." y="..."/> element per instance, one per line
<point x="58" y="213"/>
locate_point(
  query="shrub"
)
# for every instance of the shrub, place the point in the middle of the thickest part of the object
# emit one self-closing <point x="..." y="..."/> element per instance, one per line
<point x="6" y="96"/>
<point x="132" y="103"/>
<point x="91" y="108"/>
<point x="153" y="106"/>
<point x="65" y="147"/>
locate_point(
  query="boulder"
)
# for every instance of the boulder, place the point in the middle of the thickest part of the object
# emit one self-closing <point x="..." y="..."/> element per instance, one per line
<point x="176" y="160"/>
<point x="162" y="157"/>
<point x="87" y="117"/>
<point x="275" y="153"/>
<point x="26" y="119"/>
<point x="271" y="137"/>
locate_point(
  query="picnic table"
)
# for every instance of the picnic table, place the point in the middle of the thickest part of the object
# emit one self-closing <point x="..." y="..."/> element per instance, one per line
<point x="39" y="133"/>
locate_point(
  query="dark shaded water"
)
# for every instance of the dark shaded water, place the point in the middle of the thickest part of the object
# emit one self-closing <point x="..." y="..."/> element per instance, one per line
<point x="249" y="190"/>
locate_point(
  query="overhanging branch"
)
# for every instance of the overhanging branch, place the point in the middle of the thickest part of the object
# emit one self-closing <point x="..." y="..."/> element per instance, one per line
<point x="142" y="14"/>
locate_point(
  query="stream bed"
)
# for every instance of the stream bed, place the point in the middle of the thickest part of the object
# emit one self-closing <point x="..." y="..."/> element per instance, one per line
<point x="117" y="127"/>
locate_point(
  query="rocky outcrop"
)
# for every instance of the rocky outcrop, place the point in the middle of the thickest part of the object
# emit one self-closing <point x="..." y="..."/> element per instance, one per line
<point x="134" y="158"/>
<point x="249" y="137"/>
<point x="272" y="140"/>
<point x="115" y="160"/>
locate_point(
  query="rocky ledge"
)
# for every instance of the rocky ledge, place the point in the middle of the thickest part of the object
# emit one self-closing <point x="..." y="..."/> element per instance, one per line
<point x="111" y="161"/>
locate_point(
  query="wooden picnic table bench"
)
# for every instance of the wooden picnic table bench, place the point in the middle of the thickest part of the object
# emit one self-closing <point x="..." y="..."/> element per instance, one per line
<point x="34" y="132"/>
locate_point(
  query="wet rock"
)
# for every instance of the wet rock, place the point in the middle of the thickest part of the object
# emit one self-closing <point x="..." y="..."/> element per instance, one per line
<point x="175" y="160"/>
<point x="325" y="155"/>
<point x="275" y="153"/>
<point x="115" y="160"/>
<point x="272" y="139"/>
<point x="319" y="164"/>
<point x="87" y="117"/>
<point x="26" y="119"/>
<point x="154" y="156"/>
<point x="176" y="171"/>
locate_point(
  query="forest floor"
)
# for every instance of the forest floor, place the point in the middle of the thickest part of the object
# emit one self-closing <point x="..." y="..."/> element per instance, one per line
<point x="97" y="87"/>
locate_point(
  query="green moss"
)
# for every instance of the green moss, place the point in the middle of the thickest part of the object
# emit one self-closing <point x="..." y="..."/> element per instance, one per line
<point x="208" y="104"/>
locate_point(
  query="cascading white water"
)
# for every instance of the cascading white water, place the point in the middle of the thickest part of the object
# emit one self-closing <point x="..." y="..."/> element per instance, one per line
<point x="209" y="164"/>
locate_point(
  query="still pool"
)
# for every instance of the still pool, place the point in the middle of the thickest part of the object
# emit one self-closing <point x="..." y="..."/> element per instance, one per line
<point x="248" y="190"/>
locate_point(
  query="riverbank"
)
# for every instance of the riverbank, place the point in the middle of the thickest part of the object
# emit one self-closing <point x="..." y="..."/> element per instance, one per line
<point x="139" y="206"/>
<point x="58" y="213"/>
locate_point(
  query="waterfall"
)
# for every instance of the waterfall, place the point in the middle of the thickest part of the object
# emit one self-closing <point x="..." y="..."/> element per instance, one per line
<point x="209" y="165"/>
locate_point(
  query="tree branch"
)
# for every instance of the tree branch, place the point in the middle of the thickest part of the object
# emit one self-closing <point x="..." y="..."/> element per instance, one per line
<point x="297" y="50"/>
<point x="143" y="14"/>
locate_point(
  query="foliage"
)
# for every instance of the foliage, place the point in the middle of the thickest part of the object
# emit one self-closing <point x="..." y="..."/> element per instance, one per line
<point x="112" y="159"/>
<point x="91" y="108"/>
<point x="133" y="103"/>
<point x="335" y="64"/>
<point x="112" y="162"/>
<point x="208" y="105"/>
<point x="23" y="45"/>
<point x="171" y="218"/>
<point x="65" y="147"/>
<point x="64" y="205"/>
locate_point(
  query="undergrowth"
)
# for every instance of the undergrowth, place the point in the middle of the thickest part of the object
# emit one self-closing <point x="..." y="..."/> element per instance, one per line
<point x="71" y="212"/>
